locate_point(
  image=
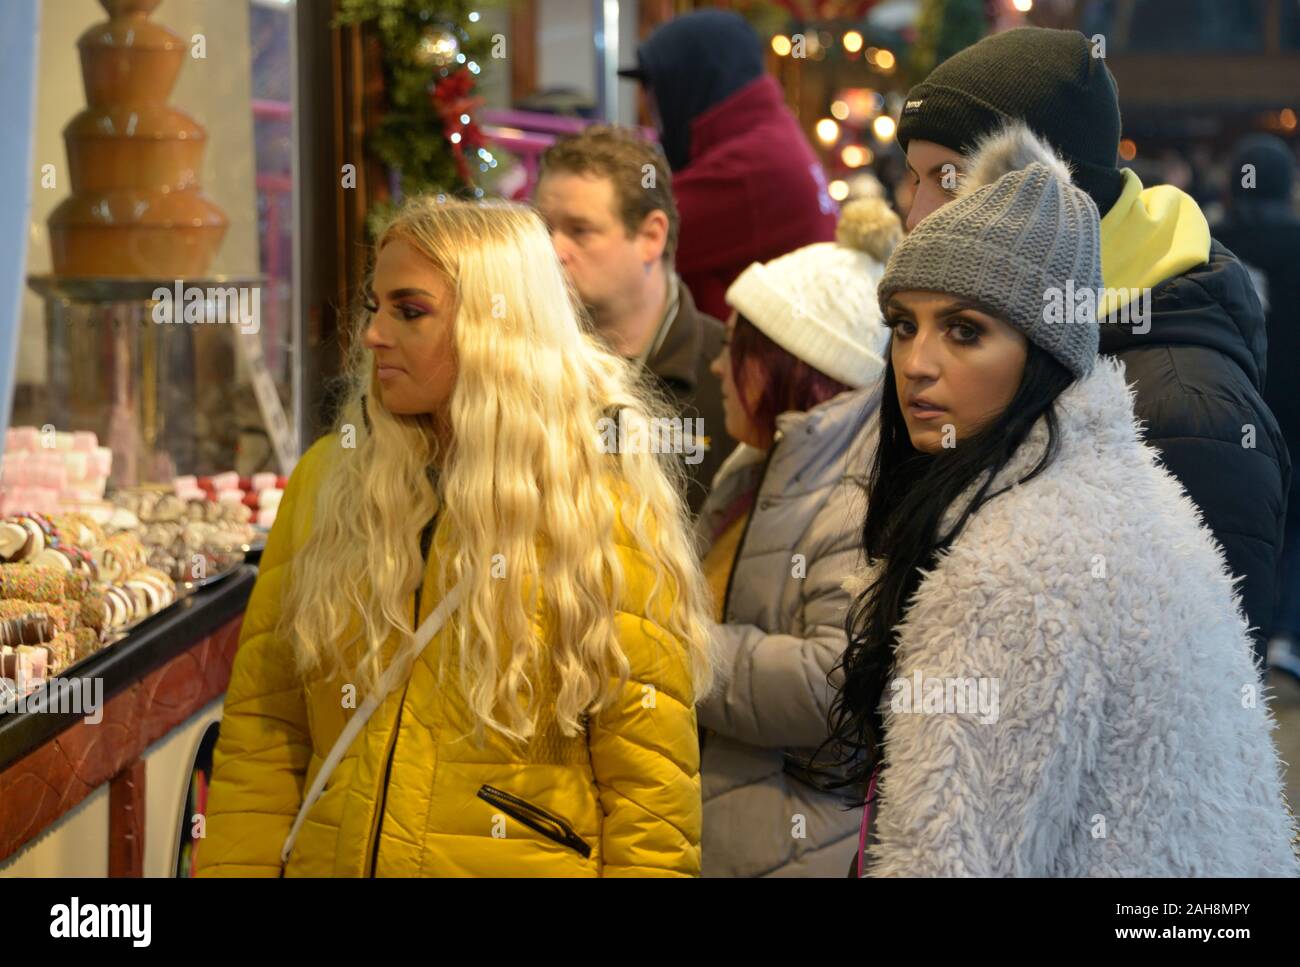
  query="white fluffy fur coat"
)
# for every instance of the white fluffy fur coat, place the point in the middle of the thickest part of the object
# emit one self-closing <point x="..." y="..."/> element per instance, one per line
<point x="1132" y="735"/>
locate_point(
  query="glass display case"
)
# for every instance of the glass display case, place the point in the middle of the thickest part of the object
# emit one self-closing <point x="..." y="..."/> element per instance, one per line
<point x="200" y="390"/>
<point x="156" y="407"/>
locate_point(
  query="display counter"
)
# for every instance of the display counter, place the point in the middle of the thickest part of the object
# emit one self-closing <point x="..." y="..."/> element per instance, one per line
<point x="165" y="671"/>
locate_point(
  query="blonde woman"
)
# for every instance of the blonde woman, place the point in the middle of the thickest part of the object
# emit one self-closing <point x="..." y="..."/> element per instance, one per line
<point x="547" y="728"/>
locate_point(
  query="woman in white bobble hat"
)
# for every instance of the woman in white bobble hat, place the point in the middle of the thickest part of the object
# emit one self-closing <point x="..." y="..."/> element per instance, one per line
<point x="800" y="374"/>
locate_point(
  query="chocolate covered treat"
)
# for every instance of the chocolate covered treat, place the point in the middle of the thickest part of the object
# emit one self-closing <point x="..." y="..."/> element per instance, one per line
<point x="144" y="507"/>
<point x="15" y="542"/>
<point x="34" y="628"/>
<point x="87" y="643"/>
<point x="139" y="600"/>
<point x="94" y="610"/>
<point x="160" y="534"/>
<point x="38" y="656"/>
<point x="162" y="560"/>
<point x="121" y="606"/>
<point x="9" y="664"/>
<point x="169" y="508"/>
<point x="33" y="583"/>
<point x="122" y="519"/>
<point x="35" y="535"/>
<point x="111" y="565"/>
<point x="79" y="530"/>
<point x="54" y="558"/>
<point x="120" y="555"/>
<point x="58" y="614"/>
<point x="62" y="651"/>
<point x="26" y="629"/>
<point x="76" y="586"/>
<point x="158" y="587"/>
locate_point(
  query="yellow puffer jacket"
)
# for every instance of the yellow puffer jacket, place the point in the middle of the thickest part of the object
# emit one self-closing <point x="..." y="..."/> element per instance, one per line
<point x="412" y="796"/>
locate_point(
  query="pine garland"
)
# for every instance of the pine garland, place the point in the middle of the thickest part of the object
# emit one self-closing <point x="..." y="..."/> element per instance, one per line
<point x="426" y="102"/>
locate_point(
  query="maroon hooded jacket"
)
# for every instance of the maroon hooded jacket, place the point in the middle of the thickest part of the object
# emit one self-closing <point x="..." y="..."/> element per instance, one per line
<point x="752" y="190"/>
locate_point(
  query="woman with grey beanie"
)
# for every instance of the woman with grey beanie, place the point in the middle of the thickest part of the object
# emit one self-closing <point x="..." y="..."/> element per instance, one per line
<point x="1048" y="670"/>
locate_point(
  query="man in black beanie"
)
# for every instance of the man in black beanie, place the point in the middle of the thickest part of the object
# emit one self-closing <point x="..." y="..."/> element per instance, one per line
<point x="1179" y="309"/>
<point x="1046" y="78"/>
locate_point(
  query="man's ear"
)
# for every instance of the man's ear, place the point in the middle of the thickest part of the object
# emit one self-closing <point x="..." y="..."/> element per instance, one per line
<point x="652" y="237"/>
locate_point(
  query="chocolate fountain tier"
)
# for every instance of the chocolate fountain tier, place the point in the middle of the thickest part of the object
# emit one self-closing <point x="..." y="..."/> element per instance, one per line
<point x="129" y="60"/>
<point x="127" y="8"/>
<point x="130" y="232"/>
<point x="138" y="146"/>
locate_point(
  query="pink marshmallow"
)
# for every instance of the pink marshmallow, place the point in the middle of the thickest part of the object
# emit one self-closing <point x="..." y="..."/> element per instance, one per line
<point x="17" y="469"/>
<point x="53" y="474"/>
<point x="26" y="438"/>
<point x="77" y="464"/>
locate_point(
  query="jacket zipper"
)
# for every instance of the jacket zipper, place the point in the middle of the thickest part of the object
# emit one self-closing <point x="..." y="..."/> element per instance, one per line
<point x="425" y="536"/>
<point x="535" y="818"/>
<point x="383" y="789"/>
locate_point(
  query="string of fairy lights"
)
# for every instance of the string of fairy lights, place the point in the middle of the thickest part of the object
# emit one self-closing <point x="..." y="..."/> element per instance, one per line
<point x="860" y="120"/>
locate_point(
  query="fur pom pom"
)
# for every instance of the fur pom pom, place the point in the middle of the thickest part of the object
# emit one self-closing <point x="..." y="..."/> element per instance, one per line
<point x="869" y="225"/>
<point x="857" y="582"/>
<point x="1009" y="149"/>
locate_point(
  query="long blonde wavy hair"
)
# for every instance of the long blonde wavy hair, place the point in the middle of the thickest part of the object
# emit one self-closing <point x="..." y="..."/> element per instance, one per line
<point x="525" y="471"/>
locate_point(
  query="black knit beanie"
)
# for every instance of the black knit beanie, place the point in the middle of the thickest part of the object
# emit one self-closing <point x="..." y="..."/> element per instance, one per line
<point x="1047" y="78"/>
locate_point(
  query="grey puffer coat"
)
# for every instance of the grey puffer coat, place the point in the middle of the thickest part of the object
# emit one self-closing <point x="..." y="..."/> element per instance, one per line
<point x="784" y="629"/>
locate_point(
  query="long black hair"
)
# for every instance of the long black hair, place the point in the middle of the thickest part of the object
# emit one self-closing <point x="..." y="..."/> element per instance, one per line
<point x="909" y="494"/>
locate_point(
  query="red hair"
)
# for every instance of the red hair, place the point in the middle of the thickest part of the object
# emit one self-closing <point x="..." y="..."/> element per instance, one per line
<point x="786" y="381"/>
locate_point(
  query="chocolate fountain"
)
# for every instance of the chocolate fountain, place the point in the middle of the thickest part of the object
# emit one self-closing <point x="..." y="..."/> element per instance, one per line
<point x="135" y="209"/>
<point x="136" y="222"/>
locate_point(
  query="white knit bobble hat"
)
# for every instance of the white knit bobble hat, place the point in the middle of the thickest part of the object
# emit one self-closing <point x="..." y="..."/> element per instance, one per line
<point x="819" y="304"/>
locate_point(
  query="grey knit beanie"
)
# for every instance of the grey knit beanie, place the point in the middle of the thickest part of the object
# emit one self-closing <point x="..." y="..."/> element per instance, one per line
<point x="1020" y="240"/>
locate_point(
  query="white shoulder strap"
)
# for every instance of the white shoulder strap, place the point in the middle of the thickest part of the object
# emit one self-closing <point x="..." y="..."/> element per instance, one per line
<point x="396" y="672"/>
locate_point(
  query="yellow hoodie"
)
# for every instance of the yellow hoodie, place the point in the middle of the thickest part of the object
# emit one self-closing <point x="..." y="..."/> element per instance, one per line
<point x="1148" y="236"/>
